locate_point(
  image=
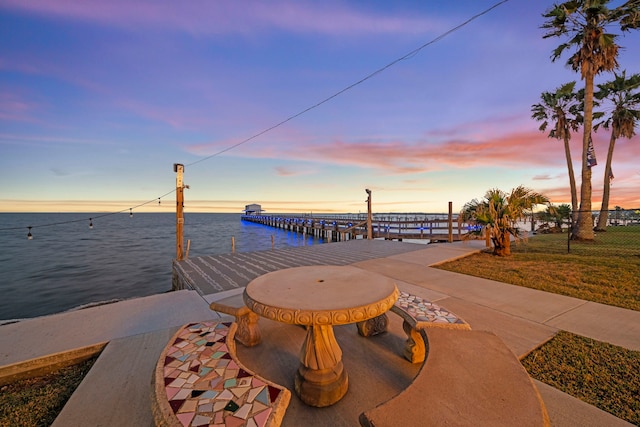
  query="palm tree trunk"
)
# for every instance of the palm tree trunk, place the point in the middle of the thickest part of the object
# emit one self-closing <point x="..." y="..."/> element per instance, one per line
<point x="501" y="242"/>
<point x="604" y="209"/>
<point x="584" y="227"/>
<point x="507" y="244"/>
<point x="572" y="179"/>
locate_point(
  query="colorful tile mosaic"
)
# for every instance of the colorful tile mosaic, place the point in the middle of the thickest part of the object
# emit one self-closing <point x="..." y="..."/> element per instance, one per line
<point x="205" y="385"/>
<point x="423" y="310"/>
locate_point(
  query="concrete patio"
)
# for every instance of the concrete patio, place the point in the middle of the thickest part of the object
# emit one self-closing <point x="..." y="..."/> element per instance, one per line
<point x="117" y="390"/>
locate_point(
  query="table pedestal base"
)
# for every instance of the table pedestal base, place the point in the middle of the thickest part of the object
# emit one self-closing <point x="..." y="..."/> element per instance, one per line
<point x="321" y="379"/>
<point x="323" y="387"/>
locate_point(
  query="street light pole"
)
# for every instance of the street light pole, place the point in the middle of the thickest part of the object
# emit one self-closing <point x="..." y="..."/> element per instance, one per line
<point x="369" y="216"/>
<point x="179" y="170"/>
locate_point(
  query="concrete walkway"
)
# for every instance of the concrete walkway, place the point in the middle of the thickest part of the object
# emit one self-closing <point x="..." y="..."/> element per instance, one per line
<point x="116" y="392"/>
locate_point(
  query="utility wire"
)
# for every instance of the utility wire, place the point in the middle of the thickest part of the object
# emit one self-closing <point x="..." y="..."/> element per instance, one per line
<point x="288" y="119"/>
<point x="351" y="86"/>
<point x="157" y="199"/>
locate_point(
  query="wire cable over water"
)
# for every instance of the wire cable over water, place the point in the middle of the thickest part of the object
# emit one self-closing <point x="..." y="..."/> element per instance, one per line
<point x="404" y="57"/>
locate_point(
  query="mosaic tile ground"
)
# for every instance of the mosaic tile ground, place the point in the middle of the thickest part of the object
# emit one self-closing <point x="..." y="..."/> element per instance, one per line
<point x="205" y="385"/>
<point x="425" y="311"/>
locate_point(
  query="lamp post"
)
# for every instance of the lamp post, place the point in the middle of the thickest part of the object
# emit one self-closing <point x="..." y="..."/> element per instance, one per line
<point x="369" y="216"/>
<point x="179" y="170"/>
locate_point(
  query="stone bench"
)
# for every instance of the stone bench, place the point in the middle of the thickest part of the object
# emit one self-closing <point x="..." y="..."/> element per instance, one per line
<point x="248" y="333"/>
<point x="199" y="381"/>
<point x="469" y="378"/>
<point x="417" y="313"/>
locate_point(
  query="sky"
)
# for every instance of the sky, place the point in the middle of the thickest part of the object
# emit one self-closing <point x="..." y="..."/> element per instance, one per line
<point x="99" y="99"/>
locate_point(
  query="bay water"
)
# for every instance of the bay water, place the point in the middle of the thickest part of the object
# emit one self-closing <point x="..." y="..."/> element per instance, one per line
<point x="68" y="265"/>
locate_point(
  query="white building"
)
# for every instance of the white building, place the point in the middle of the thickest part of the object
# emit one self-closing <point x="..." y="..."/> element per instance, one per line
<point x="253" y="209"/>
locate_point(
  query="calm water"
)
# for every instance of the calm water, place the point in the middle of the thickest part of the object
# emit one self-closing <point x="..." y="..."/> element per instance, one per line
<point x="69" y="265"/>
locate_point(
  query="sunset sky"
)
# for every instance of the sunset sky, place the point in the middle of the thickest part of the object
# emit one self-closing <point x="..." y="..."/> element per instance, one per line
<point x="98" y="100"/>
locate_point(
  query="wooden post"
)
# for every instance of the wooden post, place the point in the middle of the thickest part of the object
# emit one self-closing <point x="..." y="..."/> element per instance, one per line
<point x="450" y="222"/>
<point x="369" y="216"/>
<point x="233" y="244"/>
<point x="487" y="231"/>
<point x="179" y="170"/>
<point x="533" y="221"/>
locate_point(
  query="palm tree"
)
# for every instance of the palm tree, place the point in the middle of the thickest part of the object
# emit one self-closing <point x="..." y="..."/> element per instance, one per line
<point x="557" y="214"/>
<point x="499" y="213"/>
<point x="585" y="23"/>
<point x="562" y="109"/>
<point x="623" y="95"/>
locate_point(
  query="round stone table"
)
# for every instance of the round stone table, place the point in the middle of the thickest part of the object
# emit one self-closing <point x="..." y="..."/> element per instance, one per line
<point x="320" y="297"/>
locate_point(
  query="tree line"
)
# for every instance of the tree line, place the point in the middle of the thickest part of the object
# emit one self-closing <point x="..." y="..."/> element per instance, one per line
<point x="586" y="28"/>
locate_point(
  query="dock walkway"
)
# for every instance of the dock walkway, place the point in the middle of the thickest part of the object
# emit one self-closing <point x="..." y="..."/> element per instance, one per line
<point x="116" y="392"/>
<point x="212" y="274"/>
<point x="346" y="227"/>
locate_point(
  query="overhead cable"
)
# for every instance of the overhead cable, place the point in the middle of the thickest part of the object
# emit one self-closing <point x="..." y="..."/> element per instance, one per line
<point x="351" y="86"/>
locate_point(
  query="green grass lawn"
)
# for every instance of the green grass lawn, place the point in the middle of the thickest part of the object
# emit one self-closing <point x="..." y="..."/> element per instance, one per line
<point x="37" y="401"/>
<point x="601" y="374"/>
<point x="605" y="271"/>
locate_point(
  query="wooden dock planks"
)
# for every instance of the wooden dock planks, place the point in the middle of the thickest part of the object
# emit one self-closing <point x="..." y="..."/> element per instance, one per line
<point x="217" y="273"/>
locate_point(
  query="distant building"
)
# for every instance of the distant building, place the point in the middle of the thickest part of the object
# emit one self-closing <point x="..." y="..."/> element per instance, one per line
<point x="253" y="209"/>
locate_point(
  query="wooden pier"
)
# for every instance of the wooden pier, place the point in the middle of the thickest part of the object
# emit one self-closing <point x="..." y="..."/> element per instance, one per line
<point x="226" y="272"/>
<point x="347" y="227"/>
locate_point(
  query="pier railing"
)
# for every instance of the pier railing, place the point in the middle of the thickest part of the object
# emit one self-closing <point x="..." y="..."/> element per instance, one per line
<point x="391" y="227"/>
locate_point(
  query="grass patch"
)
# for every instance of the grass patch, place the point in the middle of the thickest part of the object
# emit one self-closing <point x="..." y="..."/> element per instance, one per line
<point x="38" y="401"/>
<point x="601" y="374"/>
<point x="605" y="271"/>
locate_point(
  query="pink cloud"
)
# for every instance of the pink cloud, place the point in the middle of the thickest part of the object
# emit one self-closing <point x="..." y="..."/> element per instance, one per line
<point x="39" y="66"/>
<point x="625" y="195"/>
<point x="521" y="149"/>
<point x="292" y="171"/>
<point x="214" y="17"/>
<point x="177" y="117"/>
<point x="624" y="188"/>
<point x="16" y="106"/>
<point x="12" y="104"/>
<point x="487" y="149"/>
<point x="544" y="177"/>
<point x="21" y="66"/>
<point x="515" y="150"/>
<point x="39" y="140"/>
